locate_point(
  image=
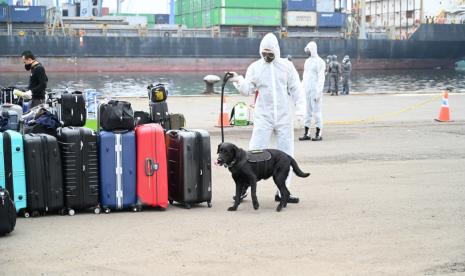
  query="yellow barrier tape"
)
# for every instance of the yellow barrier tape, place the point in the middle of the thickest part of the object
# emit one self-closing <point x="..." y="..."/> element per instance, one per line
<point x="384" y="115"/>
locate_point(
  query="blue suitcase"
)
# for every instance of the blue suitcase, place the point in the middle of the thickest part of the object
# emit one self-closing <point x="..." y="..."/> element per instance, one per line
<point x="117" y="158"/>
<point x="12" y="169"/>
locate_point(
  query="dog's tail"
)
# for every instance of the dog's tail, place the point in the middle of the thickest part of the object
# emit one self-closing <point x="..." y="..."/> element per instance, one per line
<point x="296" y="168"/>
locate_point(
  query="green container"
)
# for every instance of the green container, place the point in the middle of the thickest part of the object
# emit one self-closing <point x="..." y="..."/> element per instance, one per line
<point x="246" y="17"/>
<point x="251" y="4"/>
<point x="92" y="124"/>
<point x="177" y="7"/>
<point x="178" y="20"/>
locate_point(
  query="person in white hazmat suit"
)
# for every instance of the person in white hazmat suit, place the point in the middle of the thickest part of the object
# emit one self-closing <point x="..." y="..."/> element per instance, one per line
<point x="280" y="90"/>
<point x="313" y="82"/>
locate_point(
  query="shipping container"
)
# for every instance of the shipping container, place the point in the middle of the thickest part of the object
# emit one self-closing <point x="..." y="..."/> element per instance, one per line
<point x="27" y="14"/>
<point x="162" y="18"/>
<point x="246" y="17"/>
<point x="3" y="13"/>
<point x="331" y="19"/>
<point x="325" y="5"/>
<point x="251" y="4"/>
<point x="301" y="19"/>
<point x="301" y="5"/>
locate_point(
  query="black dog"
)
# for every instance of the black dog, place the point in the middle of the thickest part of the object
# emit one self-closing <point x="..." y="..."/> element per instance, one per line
<point x="248" y="167"/>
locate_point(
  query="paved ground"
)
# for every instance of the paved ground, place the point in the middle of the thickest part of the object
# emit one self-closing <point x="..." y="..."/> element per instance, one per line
<point x="385" y="197"/>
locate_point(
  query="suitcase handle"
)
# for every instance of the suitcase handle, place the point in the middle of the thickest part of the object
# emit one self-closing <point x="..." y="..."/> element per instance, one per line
<point x="150" y="167"/>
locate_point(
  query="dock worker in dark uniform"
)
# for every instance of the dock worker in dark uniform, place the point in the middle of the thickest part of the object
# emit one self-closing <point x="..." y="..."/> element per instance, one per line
<point x="334" y="75"/>
<point x="346" y="69"/>
<point x="37" y="80"/>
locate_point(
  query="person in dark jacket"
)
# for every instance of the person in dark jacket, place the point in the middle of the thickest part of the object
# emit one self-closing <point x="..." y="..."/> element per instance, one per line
<point x="334" y="75"/>
<point x="37" y="80"/>
<point x="346" y="69"/>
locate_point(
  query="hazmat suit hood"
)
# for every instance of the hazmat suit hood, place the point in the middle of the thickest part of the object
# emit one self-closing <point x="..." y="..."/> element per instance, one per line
<point x="270" y="42"/>
<point x="312" y="49"/>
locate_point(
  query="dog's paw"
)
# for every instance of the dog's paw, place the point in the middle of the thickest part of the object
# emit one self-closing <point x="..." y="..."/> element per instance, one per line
<point x="232" y="208"/>
<point x="256" y="205"/>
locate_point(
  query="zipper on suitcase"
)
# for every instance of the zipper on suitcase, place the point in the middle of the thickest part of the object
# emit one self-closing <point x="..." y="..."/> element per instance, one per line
<point x="45" y="175"/>
<point x="8" y="155"/>
<point x="83" y="171"/>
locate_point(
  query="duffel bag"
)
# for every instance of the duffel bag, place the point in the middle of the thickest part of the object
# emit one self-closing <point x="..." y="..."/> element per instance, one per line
<point x="115" y="115"/>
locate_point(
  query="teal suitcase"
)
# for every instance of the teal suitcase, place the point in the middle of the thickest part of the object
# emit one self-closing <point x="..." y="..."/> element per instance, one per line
<point x="12" y="169"/>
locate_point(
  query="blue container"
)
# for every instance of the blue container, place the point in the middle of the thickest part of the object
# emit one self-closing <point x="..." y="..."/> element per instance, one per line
<point x="26" y="14"/>
<point x="162" y="18"/>
<point x="331" y="19"/>
<point x="3" y="13"/>
<point x="301" y="5"/>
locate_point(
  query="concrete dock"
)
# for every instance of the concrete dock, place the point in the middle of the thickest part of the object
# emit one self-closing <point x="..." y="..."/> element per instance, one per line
<point x="386" y="197"/>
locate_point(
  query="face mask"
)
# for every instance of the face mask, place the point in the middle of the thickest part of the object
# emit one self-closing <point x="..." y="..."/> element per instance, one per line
<point x="269" y="57"/>
<point x="27" y="67"/>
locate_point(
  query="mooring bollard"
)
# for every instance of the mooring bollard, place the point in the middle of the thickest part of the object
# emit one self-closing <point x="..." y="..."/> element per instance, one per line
<point x="210" y="81"/>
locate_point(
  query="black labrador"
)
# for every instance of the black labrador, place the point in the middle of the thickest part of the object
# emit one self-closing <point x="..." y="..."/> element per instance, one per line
<point x="248" y="167"/>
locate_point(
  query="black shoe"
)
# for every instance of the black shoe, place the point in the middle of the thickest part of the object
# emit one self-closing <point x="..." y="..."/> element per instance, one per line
<point x="291" y="199"/>
<point x="317" y="138"/>
<point x="305" y="138"/>
<point x="243" y="195"/>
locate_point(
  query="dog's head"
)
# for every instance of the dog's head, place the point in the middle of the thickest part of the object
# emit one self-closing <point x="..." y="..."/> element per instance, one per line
<point x="226" y="154"/>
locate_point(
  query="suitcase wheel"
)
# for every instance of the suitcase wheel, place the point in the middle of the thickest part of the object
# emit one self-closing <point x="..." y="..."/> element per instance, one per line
<point x="135" y="209"/>
<point x="107" y="210"/>
<point x="170" y="201"/>
<point x="25" y="214"/>
<point x="97" y="210"/>
<point x="35" y="214"/>
<point x="71" y="212"/>
<point x="62" y="212"/>
<point x="188" y="206"/>
<point x="209" y="204"/>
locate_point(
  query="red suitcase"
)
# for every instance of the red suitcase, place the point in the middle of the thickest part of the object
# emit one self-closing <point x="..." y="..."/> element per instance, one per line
<point x="152" y="174"/>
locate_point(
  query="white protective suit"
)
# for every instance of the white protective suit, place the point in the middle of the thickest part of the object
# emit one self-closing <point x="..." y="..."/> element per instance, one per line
<point x="313" y="82"/>
<point x="279" y="89"/>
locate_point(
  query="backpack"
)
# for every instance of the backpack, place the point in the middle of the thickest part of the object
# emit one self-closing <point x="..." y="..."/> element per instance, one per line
<point x="157" y="93"/>
<point x="240" y="114"/>
<point x="7" y="213"/>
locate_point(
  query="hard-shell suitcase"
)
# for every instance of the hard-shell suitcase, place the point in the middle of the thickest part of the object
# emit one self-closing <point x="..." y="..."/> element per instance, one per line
<point x="159" y="114"/>
<point x="43" y="174"/>
<point x="189" y="166"/>
<point x="117" y="158"/>
<point x="12" y="113"/>
<point x="152" y="178"/>
<point x="72" y="110"/>
<point x="7" y="213"/>
<point x="79" y="156"/>
<point x="12" y="169"/>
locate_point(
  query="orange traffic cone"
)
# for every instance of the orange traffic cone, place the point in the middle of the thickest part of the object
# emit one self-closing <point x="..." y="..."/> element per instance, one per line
<point x="224" y="116"/>
<point x="444" y="113"/>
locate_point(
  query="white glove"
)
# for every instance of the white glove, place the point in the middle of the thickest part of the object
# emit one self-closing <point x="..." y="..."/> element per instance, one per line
<point x="300" y="122"/>
<point x="18" y="93"/>
<point x="27" y="95"/>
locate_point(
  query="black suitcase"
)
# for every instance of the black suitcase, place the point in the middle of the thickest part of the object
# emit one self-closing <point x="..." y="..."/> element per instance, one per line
<point x="159" y="114"/>
<point x="79" y="155"/>
<point x="72" y="110"/>
<point x="189" y="166"/>
<point x="7" y="213"/>
<point x="44" y="178"/>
